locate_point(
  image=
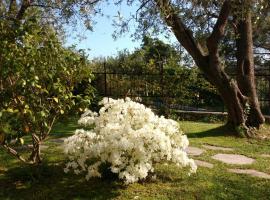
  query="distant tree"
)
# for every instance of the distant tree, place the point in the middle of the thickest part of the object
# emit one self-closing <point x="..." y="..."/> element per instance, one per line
<point x="156" y="70"/>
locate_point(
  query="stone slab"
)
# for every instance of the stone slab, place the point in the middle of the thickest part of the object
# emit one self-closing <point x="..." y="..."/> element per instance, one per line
<point x="57" y="140"/>
<point x="265" y="155"/>
<point x="30" y="146"/>
<point x="233" y="159"/>
<point x="251" y="172"/>
<point x="43" y="147"/>
<point x="212" y="147"/>
<point x="23" y="147"/>
<point x="204" y="164"/>
<point x="194" y="151"/>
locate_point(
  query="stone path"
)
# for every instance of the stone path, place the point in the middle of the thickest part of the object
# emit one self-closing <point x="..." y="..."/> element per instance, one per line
<point x="57" y="140"/>
<point x="43" y="147"/>
<point x="29" y="146"/>
<point x="194" y="151"/>
<point x="206" y="146"/>
<point x="265" y="155"/>
<point x="204" y="164"/>
<point x="232" y="159"/>
<point x="251" y="172"/>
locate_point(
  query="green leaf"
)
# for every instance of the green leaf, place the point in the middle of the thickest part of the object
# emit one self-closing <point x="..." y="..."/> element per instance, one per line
<point x="10" y="110"/>
<point x="42" y="113"/>
<point x="21" y="141"/>
<point x="55" y="99"/>
<point x="38" y="86"/>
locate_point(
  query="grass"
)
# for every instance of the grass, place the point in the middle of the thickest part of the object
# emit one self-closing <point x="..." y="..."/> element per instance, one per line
<point x="19" y="181"/>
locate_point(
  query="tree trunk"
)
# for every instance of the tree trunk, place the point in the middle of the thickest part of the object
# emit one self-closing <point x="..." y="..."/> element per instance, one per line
<point x="234" y="99"/>
<point x="35" y="155"/>
<point x="228" y="89"/>
<point x="245" y="70"/>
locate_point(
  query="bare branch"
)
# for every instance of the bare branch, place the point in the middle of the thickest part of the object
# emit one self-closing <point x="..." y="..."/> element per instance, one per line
<point x="141" y="7"/>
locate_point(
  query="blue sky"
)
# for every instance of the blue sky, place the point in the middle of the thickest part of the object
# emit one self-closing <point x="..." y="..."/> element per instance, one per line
<point x="100" y="41"/>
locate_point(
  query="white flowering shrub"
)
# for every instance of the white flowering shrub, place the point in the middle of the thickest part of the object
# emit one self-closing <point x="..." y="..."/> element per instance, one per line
<point x="130" y="138"/>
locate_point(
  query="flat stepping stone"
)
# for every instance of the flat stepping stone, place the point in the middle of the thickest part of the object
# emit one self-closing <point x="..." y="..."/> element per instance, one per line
<point x="204" y="164"/>
<point x="194" y="151"/>
<point x="43" y="147"/>
<point x="30" y="146"/>
<point x="57" y="140"/>
<point x="251" y="172"/>
<point x="233" y="159"/>
<point x="23" y="147"/>
<point x="212" y="147"/>
<point x="265" y="155"/>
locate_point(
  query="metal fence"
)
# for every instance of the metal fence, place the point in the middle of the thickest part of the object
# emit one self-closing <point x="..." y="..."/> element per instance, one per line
<point x="159" y="90"/>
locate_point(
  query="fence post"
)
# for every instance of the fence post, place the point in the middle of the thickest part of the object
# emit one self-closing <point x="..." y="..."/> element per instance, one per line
<point x="268" y="91"/>
<point x="105" y="79"/>
<point x="161" y="81"/>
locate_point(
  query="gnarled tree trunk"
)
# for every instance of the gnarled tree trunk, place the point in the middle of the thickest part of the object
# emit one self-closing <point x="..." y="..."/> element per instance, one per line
<point x="245" y="70"/>
<point x="233" y="97"/>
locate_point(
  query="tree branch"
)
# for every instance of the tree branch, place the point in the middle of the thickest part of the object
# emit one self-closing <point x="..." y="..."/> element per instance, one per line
<point x="25" y="4"/>
<point x="219" y="28"/>
<point x="183" y="34"/>
<point x="11" y="4"/>
<point x="45" y="6"/>
<point x="44" y="136"/>
<point x="141" y="6"/>
<point x="13" y="152"/>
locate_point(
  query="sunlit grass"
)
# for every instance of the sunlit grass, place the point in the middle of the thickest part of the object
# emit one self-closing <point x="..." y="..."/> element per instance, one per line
<point x="48" y="181"/>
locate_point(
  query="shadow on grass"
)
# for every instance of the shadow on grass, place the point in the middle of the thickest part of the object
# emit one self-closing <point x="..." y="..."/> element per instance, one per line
<point x="50" y="182"/>
<point x="215" y="132"/>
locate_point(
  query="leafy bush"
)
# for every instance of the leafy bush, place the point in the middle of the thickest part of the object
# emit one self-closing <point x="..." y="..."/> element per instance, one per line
<point x="37" y="81"/>
<point x="129" y="138"/>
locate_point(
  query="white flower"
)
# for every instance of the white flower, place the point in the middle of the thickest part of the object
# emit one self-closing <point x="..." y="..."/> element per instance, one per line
<point x="127" y="136"/>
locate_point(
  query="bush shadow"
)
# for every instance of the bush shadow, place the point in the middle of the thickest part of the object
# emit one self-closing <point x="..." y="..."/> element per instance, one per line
<point x="50" y="182"/>
<point x="224" y="130"/>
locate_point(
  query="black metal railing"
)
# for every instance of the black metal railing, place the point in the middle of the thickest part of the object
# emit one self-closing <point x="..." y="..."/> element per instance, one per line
<point x="162" y="89"/>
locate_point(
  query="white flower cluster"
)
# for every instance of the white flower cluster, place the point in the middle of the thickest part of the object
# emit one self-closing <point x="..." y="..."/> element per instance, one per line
<point x="130" y="138"/>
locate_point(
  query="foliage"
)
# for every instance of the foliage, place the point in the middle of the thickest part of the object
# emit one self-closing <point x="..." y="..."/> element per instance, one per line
<point x="37" y="79"/>
<point x="156" y="69"/>
<point x="56" y="13"/>
<point x="129" y="138"/>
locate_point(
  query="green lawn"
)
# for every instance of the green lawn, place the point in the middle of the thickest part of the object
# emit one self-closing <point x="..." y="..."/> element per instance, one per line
<point x="18" y="181"/>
